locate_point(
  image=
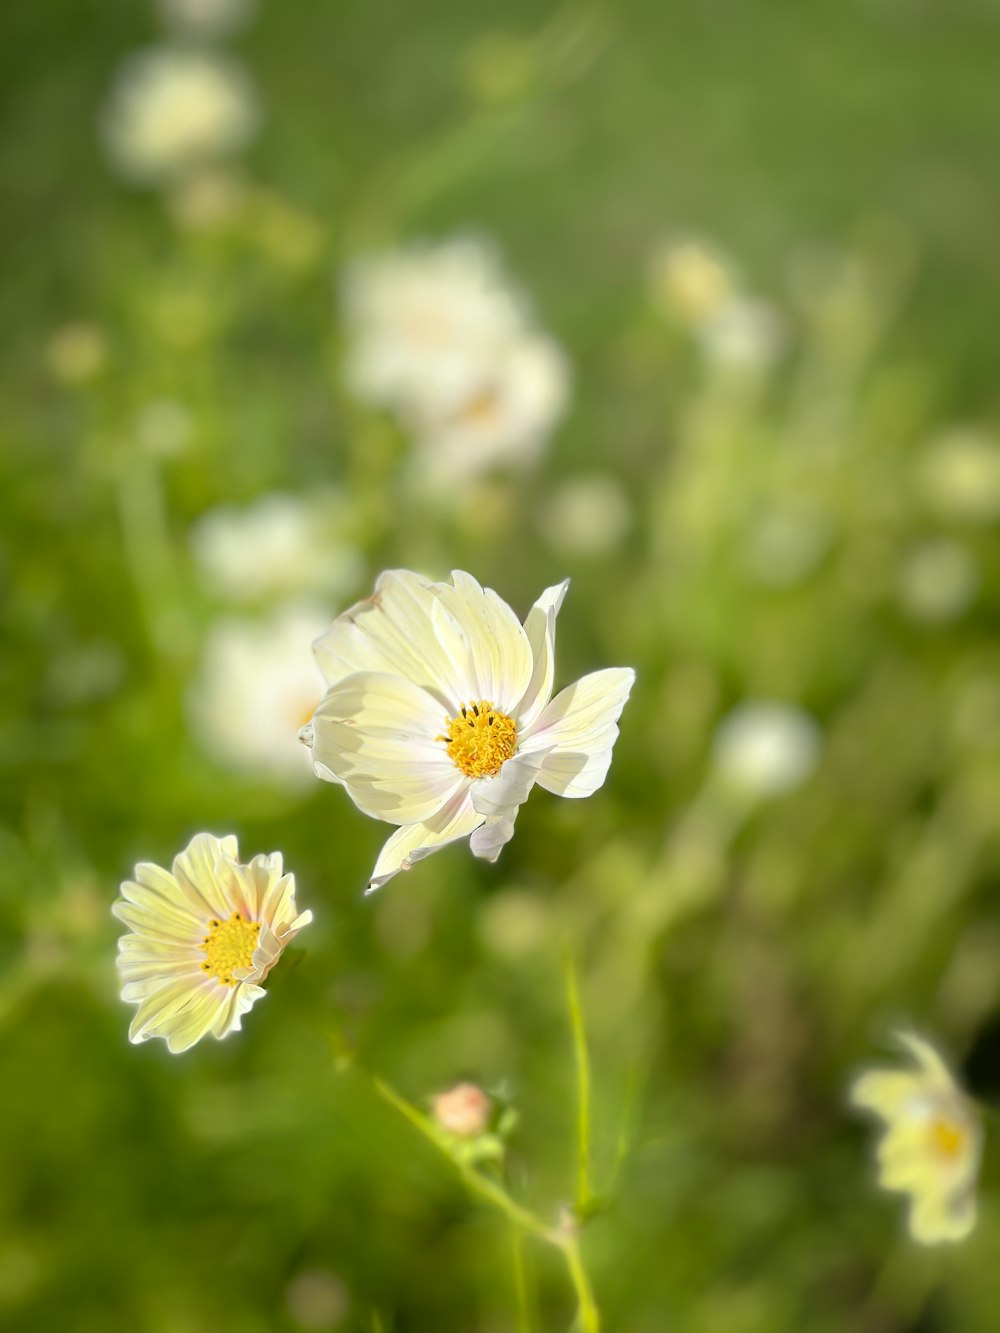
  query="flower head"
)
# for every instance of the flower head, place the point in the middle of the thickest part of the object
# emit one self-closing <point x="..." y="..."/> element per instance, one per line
<point x="173" y="109"/>
<point x="439" y="715"/>
<point x="439" y="335"/>
<point x="256" y="687"/>
<point x="463" y="1110"/>
<point x="932" y="1143"/>
<point x="202" y="937"/>
<point x="764" y="748"/>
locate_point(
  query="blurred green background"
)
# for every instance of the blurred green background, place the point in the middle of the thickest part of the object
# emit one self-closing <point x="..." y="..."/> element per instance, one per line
<point x="809" y="520"/>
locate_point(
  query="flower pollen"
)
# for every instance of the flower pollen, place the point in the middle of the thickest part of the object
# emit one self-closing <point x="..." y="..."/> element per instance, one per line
<point x="947" y="1138"/>
<point x="229" y="945"/>
<point x="480" y="739"/>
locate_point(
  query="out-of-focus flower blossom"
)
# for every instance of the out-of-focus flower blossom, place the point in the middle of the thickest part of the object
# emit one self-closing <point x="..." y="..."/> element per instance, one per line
<point x="744" y="335"/>
<point x="77" y="353"/>
<point x="438" y="335"/>
<point x="463" y="1110"/>
<point x="279" y="546"/>
<point x="763" y="748"/>
<point x="587" y="515"/>
<point x="206" y="18"/>
<point x="784" y="546"/>
<point x="932" y="1143"/>
<point x="173" y="109"/>
<point x="164" y="428"/>
<point x="258" y="684"/>
<point x="939" y="581"/>
<point x="691" y="279"/>
<point x="202" y="937"/>
<point x="317" y="1300"/>
<point x="960" y="475"/>
<point x="439" y="715"/>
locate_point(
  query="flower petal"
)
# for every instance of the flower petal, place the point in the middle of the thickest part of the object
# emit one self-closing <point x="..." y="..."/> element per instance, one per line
<point x="492" y="837"/>
<point x="483" y="635"/>
<point x="392" y="632"/>
<point x="540" y="628"/>
<point x="378" y="735"/>
<point x="502" y="794"/>
<point x="579" y="727"/>
<point x="412" y="842"/>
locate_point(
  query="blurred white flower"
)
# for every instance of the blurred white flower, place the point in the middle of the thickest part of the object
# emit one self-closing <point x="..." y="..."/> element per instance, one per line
<point x="939" y="581"/>
<point x="437" y="334"/>
<point x="932" y="1144"/>
<point x="258" y="684"/>
<point x="691" y="279"/>
<point x="280" y="545"/>
<point x="587" y="515"/>
<point x="202" y="937"/>
<point x="171" y="110"/>
<point x="784" y="546"/>
<point x="960" y="475"/>
<point x="207" y="18"/>
<point x="439" y="715"/>
<point x="744" y="335"/>
<point x="764" y="748"/>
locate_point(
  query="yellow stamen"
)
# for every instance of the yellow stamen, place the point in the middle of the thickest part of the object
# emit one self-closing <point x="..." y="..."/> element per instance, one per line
<point x="947" y="1138"/>
<point x="229" y="945"/>
<point x="480" y="739"/>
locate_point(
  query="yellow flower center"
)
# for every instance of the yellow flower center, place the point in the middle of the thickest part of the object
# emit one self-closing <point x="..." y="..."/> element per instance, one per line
<point x="480" y="739"/>
<point x="947" y="1138"/>
<point x="229" y="945"/>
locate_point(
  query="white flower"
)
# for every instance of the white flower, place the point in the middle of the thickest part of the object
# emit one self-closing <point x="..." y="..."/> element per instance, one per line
<point x="173" y="109"/>
<point x="745" y="335"/>
<point x="203" y="936"/>
<point x="279" y="545"/>
<point x="932" y="1144"/>
<point x="960" y="475"/>
<point x="765" y="748"/>
<point x="206" y="18"/>
<point x="438" y="335"/>
<point x="691" y="278"/>
<point x="439" y="715"/>
<point x="258" y="684"/>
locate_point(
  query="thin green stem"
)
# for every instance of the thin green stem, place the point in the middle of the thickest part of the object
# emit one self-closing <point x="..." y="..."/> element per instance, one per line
<point x="520" y="1281"/>
<point x="588" y="1315"/>
<point x="584" y="1192"/>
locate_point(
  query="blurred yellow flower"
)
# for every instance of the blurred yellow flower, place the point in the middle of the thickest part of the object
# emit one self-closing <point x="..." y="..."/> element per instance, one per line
<point x="202" y="938"/>
<point x="439" y="715"/>
<point x="932" y="1143"/>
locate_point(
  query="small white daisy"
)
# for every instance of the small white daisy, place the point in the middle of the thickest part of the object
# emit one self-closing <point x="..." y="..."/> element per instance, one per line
<point x="932" y="1143"/>
<point x="202" y="937"/>
<point x="173" y="109"/>
<point x="439" y="715"/>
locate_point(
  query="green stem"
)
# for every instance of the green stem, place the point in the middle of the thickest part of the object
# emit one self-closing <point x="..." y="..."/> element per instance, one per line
<point x="588" y="1315"/>
<point x="520" y="1282"/>
<point x="563" y="1238"/>
<point x="584" y="1192"/>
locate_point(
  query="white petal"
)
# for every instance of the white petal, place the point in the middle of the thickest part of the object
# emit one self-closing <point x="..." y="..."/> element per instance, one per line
<point x="392" y="632"/>
<point x="502" y="794"/>
<point x="415" y="841"/>
<point x="490" y="838"/>
<point x="377" y="733"/>
<point x="540" y="628"/>
<point x="484" y="635"/>
<point x="580" y="728"/>
<point x="203" y="872"/>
